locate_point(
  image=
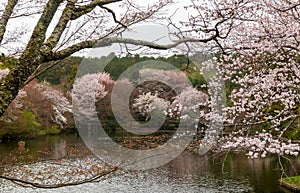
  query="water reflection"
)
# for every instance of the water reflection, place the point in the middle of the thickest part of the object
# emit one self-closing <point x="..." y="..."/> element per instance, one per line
<point x="60" y="148"/>
<point x="46" y="147"/>
<point x="187" y="173"/>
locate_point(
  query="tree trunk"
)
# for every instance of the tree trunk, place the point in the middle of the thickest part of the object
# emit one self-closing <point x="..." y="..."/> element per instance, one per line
<point x="15" y="80"/>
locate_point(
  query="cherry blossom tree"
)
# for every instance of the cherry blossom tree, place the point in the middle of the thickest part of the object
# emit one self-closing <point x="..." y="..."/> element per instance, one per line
<point x="146" y="103"/>
<point x="89" y="89"/>
<point x="44" y="99"/>
<point x="258" y="56"/>
<point x="66" y="27"/>
<point x="60" y="104"/>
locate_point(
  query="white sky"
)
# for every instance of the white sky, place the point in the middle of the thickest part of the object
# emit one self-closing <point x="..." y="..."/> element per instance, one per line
<point x="148" y="31"/>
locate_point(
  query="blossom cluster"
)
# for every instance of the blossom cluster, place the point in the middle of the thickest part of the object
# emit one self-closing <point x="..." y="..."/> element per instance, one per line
<point x="184" y="106"/>
<point x="260" y="67"/>
<point x="147" y="103"/>
<point x="3" y="73"/>
<point x="59" y="102"/>
<point x="261" y="145"/>
<point x="176" y="80"/>
<point x="264" y="94"/>
<point x="87" y="90"/>
<point x="190" y="100"/>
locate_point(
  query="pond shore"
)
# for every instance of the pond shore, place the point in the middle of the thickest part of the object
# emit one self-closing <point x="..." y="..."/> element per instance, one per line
<point x="291" y="183"/>
<point x="60" y="157"/>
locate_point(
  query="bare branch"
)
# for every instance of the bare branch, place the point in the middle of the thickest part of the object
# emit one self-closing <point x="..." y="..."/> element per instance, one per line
<point x="39" y="72"/>
<point x="52" y="186"/>
<point x="114" y="15"/>
<point x="109" y="41"/>
<point x="286" y="9"/>
<point x="81" y="10"/>
<point x="5" y="17"/>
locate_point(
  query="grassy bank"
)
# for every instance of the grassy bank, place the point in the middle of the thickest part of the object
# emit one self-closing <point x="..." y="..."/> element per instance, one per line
<point x="291" y="183"/>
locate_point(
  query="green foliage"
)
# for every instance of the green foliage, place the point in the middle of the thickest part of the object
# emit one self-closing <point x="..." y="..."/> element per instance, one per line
<point x="295" y="134"/>
<point x="293" y="181"/>
<point x="63" y="73"/>
<point x="7" y="62"/>
<point x="119" y="64"/>
<point x="92" y="65"/>
<point x="292" y="133"/>
<point x="30" y="122"/>
<point x="197" y="79"/>
<point x="42" y="132"/>
<point x="26" y="126"/>
<point x="53" y="130"/>
<point x="266" y="126"/>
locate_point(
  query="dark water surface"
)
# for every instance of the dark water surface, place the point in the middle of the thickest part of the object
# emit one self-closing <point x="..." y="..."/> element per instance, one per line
<point x="187" y="173"/>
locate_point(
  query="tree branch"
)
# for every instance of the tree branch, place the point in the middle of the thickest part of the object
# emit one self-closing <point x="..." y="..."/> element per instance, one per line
<point x="60" y="27"/>
<point x="39" y="72"/>
<point x="30" y="59"/>
<point x="5" y="17"/>
<point x="114" y="15"/>
<point x="81" y="10"/>
<point x="39" y="32"/>
<point x="109" y="41"/>
<point x="52" y="186"/>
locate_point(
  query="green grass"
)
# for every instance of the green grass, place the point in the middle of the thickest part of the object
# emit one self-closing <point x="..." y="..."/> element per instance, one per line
<point x="293" y="181"/>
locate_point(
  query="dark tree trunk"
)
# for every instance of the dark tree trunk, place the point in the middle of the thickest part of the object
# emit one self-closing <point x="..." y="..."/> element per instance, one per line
<point x="15" y="80"/>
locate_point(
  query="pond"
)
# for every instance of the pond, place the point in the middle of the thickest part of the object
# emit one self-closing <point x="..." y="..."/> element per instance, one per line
<point x="186" y="173"/>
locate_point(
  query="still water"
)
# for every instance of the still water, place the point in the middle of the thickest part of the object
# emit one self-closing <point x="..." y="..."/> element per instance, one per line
<point x="186" y="173"/>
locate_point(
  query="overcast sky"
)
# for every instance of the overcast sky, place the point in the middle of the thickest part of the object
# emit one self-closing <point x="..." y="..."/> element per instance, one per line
<point x="148" y="31"/>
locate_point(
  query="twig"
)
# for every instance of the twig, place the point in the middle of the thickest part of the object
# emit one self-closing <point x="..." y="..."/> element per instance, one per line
<point x="114" y="15"/>
<point x="36" y="73"/>
<point x="223" y="163"/>
<point x="281" y="167"/>
<point x="291" y="122"/>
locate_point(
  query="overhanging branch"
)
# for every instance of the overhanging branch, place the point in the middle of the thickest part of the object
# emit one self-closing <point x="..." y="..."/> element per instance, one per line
<point x="81" y="10"/>
<point x="109" y="41"/>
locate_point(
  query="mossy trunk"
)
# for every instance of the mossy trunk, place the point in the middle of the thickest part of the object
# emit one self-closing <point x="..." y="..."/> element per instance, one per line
<point x="30" y="59"/>
<point x="15" y="80"/>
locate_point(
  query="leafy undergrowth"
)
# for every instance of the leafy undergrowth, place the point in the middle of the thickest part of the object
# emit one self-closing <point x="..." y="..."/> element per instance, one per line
<point x="293" y="181"/>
